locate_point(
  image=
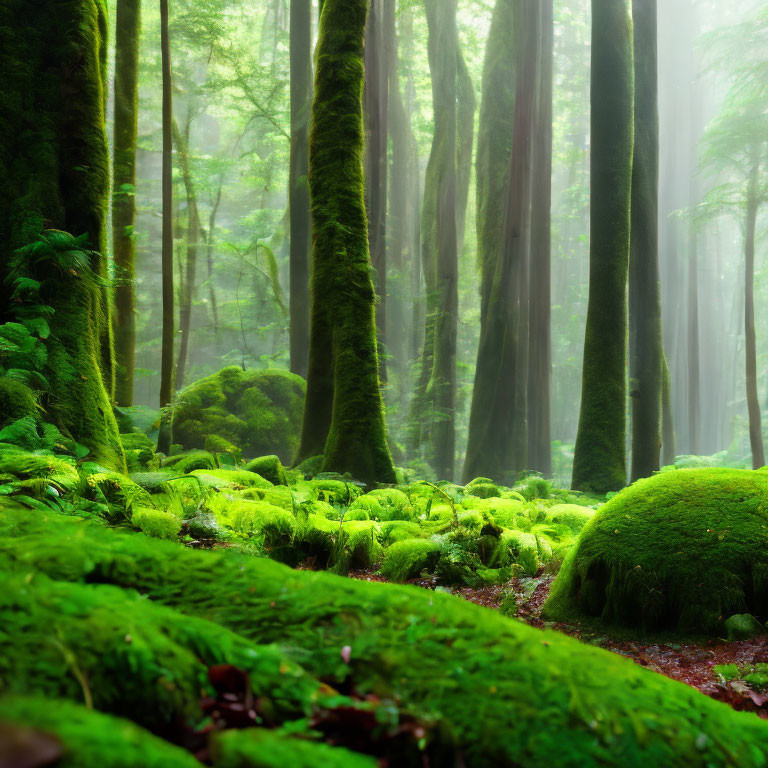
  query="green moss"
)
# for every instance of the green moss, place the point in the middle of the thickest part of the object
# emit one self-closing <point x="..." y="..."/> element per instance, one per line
<point x="364" y="508"/>
<point x="257" y="748"/>
<point x="406" y="559"/>
<point x="483" y="488"/>
<point x="334" y="491"/>
<point x="399" y="530"/>
<point x="230" y="478"/>
<point x="395" y="504"/>
<point x="259" y="411"/>
<point x="127" y="655"/>
<point x="156" y="523"/>
<point x="508" y="693"/>
<point x="270" y="468"/>
<point x="191" y="460"/>
<point x="16" y="401"/>
<point x="88" y="739"/>
<point x="743" y="626"/>
<point x="682" y="550"/>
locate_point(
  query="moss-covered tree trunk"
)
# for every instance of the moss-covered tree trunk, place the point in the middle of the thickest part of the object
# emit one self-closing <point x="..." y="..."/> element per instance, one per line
<point x="600" y="455"/>
<point x="497" y="440"/>
<point x="693" y="342"/>
<point x="540" y="333"/>
<point x="376" y="109"/>
<point x="128" y="27"/>
<point x="298" y="183"/>
<point x="668" y="442"/>
<point x="55" y="169"/>
<point x="181" y="140"/>
<point x="166" y="362"/>
<point x="753" y="403"/>
<point x="646" y="352"/>
<point x="343" y="359"/>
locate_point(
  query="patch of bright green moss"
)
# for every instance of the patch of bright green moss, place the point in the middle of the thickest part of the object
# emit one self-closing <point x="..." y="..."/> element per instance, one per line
<point x="406" y="559"/>
<point x="682" y="550"/>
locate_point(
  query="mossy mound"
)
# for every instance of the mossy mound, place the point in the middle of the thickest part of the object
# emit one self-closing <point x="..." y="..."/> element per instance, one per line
<point x="682" y="550"/>
<point x="507" y="693"/>
<point x="270" y="468"/>
<point x="86" y="739"/>
<point x="259" y="411"/>
<point x="16" y="401"/>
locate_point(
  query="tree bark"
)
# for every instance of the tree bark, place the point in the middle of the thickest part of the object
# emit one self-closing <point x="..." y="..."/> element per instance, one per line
<point x="497" y="441"/>
<point x="376" y="108"/>
<point x="646" y="351"/>
<point x="298" y="183"/>
<point x="540" y="333"/>
<point x="753" y="403"/>
<point x="55" y="171"/>
<point x="600" y="455"/>
<point x="694" y="369"/>
<point x="166" y="364"/>
<point x="668" y="446"/>
<point x="128" y="28"/>
<point x="181" y="141"/>
<point x="343" y="335"/>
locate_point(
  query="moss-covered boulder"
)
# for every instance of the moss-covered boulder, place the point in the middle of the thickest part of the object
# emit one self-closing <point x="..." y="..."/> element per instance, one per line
<point x="81" y="737"/>
<point x="259" y="411"/>
<point x="270" y="468"/>
<point x="682" y="550"/>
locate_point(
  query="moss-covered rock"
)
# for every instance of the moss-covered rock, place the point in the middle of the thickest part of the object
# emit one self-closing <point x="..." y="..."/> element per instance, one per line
<point x="681" y="550"/>
<point x="406" y="559"/>
<point x="270" y="468"/>
<point x="259" y="411"/>
<point x="190" y="461"/>
<point x="16" y="401"/>
<point x="86" y="739"/>
<point x="258" y="748"/>
<point x="156" y="522"/>
<point x="508" y="693"/>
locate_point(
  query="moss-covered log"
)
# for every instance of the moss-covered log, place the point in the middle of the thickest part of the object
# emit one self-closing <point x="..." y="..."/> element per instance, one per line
<point x="55" y="169"/>
<point x="600" y="462"/>
<point x="499" y="692"/>
<point x="343" y="416"/>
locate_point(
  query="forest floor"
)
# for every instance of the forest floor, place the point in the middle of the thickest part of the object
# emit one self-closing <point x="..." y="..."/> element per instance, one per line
<point x="709" y="665"/>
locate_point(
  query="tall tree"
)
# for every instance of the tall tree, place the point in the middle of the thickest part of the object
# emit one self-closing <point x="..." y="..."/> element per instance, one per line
<point x="127" y="30"/>
<point x="166" y="363"/>
<point x="600" y="455"/>
<point x="55" y="168"/>
<point x="497" y="440"/>
<point x="540" y="333"/>
<point x="181" y="140"/>
<point x="433" y="407"/>
<point x="646" y="352"/>
<point x="343" y="392"/>
<point x="298" y="183"/>
<point x="376" y="112"/>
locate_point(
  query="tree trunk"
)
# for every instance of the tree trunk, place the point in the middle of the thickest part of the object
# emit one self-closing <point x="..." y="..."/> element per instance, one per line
<point x="753" y="403"/>
<point x="193" y="239"/>
<point x="669" y="449"/>
<point x="495" y="447"/>
<point x="646" y="351"/>
<point x="128" y="27"/>
<point x="376" y="107"/>
<point x="540" y="333"/>
<point x="298" y="184"/>
<point x="600" y="455"/>
<point x="694" y="370"/>
<point x="209" y="241"/>
<point x="55" y="171"/>
<point x="343" y="336"/>
<point x="166" y="364"/>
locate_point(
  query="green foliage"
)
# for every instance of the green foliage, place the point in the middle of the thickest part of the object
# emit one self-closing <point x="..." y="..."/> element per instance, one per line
<point x="681" y="550"/>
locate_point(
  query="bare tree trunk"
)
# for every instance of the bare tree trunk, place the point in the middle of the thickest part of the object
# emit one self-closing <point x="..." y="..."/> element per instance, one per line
<point x="376" y="109"/>
<point x="540" y="344"/>
<point x="128" y="26"/>
<point x="646" y="352"/>
<point x="166" y="364"/>
<point x="210" y="239"/>
<point x="298" y="183"/>
<point x="753" y="403"/>
<point x="193" y="238"/>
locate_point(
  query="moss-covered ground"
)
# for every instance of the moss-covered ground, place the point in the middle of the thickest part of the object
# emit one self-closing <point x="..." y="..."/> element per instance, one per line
<point x="245" y="661"/>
